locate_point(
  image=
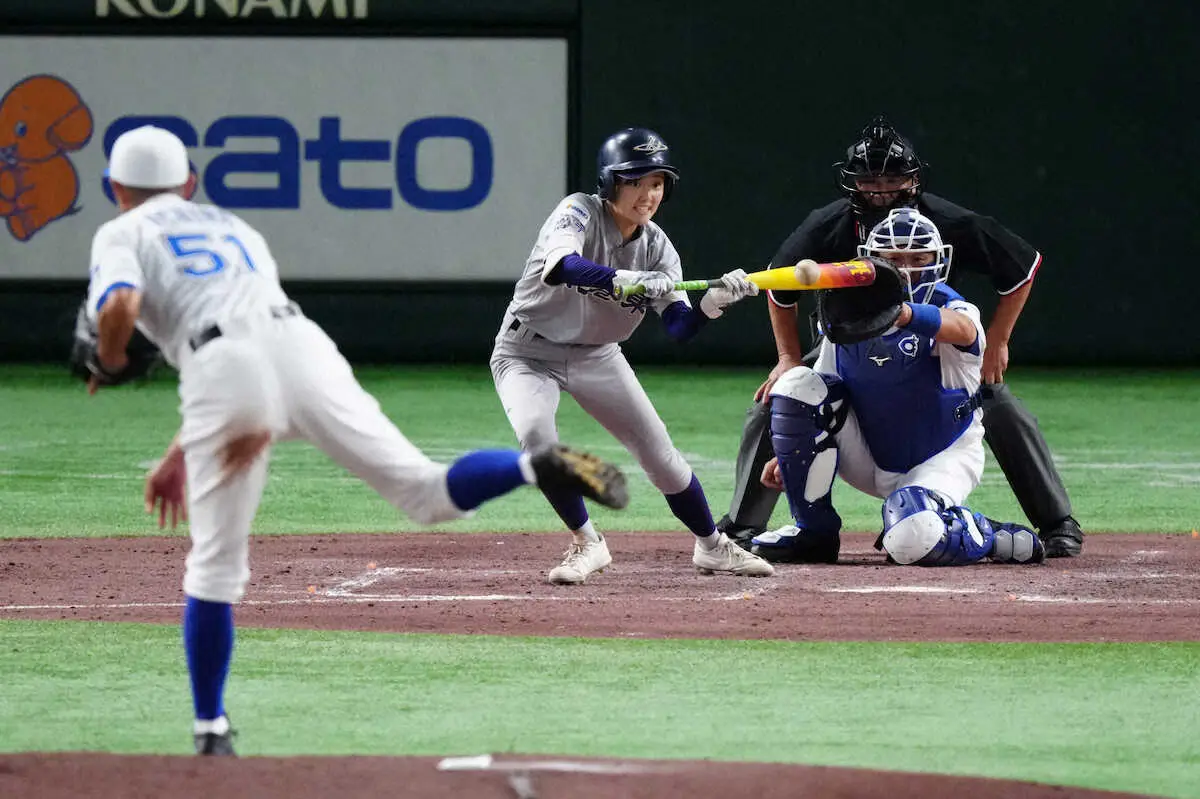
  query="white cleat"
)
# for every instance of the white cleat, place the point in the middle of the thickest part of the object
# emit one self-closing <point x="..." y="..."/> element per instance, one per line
<point x="580" y="561"/>
<point x="728" y="557"/>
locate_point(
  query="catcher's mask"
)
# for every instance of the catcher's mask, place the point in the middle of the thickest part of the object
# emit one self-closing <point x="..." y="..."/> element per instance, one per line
<point x="906" y="230"/>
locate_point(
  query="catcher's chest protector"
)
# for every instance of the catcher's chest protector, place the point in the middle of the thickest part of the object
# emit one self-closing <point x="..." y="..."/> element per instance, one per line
<point x="905" y="413"/>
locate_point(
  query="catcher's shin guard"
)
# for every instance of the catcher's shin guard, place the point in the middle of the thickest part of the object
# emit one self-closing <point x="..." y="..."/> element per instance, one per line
<point x="919" y="528"/>
<point x="1012" y="434"/>
<point x="807" y="411"/>
<point x="752" y="503"/>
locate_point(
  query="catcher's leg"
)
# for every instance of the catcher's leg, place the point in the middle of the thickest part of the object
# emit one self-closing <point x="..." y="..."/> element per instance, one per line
<point x="752" y="503"/>
<point x="807" y="410"/>
<point x="921" y="527"/>
<point x="1012" y="433"/>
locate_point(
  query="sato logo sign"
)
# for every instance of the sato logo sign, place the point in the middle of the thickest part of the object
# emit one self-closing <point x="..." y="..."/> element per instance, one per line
<point x="286" y="152"/>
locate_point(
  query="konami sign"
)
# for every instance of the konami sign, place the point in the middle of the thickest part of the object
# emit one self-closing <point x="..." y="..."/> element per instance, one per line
<point x="280" y="9"/>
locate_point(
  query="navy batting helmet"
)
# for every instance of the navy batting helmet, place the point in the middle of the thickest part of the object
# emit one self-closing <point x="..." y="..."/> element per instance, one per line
<point x="880" y="152"/>
<point x="630" y="154"/>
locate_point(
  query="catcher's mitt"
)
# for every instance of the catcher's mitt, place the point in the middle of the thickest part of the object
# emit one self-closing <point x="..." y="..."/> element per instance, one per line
<point x="85" y="364"/>
<point x="855" y="314"/>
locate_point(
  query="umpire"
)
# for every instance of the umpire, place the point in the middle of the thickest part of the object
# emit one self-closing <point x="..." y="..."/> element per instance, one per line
<point x="881" y="172"/>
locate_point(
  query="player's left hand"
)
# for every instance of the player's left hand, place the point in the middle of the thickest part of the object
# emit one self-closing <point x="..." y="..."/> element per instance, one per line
<point x="995" y="361"/>
<point x="166" y="488"/>
<point x="106" y="374"/>
<point x="656" y="284"/>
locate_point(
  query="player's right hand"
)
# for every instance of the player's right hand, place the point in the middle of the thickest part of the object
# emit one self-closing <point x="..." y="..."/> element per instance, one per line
<point x="764" y="391"/>
<point x="771" y="476"/>
<point x="166" y="488"/>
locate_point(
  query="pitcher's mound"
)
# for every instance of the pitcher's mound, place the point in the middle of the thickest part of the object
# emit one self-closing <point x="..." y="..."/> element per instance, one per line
<point x="54" y="775"/>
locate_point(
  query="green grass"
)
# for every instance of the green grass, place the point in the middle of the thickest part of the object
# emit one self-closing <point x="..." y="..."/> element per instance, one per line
<point x="1099" y="715"/>
<point x="1112" y="716"/>
<point x="1126" y="442"/>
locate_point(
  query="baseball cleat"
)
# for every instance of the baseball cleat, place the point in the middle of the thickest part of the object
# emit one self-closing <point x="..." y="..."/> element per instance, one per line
<point x="579" y="561"/>
<point x="561" y="467"/>
<point x="1064" y="541"/>
<point x="729" y="558"/>
<point x="790" y="544"/>
<point x="216" y="743"/>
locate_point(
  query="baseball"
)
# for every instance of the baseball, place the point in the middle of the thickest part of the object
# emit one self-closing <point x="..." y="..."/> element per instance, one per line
<point x="808" y="272"/>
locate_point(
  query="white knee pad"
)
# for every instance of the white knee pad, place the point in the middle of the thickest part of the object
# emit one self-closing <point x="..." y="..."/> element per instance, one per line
<point x="914" y="537"/>
<point x="803" y="385"/>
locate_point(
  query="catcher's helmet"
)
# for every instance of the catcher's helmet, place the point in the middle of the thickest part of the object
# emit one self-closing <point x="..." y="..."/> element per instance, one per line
<point x="907" y="230"/>
<point x="880" y="152"/>
<point x="630" y="154"/>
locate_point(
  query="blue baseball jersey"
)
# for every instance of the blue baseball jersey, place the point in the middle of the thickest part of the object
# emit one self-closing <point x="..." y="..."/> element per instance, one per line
<point x="913" y="397"/>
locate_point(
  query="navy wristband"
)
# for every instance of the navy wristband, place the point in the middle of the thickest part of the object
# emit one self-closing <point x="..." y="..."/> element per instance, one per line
<point x="926" y="319"/>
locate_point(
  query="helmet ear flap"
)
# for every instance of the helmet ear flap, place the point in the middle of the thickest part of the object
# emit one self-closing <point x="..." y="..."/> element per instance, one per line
<point x="605" y="184"/>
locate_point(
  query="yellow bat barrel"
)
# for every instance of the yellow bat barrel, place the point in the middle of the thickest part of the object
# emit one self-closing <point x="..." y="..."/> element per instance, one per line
<point x="809" y="276"/>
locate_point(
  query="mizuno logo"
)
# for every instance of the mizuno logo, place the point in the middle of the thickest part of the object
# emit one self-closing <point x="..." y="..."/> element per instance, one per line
<point x="879" y="360"/>
<point x="651" y="145"/>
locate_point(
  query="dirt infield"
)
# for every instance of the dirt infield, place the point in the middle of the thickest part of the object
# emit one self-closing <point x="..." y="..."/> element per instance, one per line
<point x="1125" y="588"/>
<point x="59" y="776"/>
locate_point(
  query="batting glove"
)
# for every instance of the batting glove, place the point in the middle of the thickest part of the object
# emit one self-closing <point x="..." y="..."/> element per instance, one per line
<point x="734" y="286"/>
<point x="655" y="284"/>
<point x="739" y="285"/>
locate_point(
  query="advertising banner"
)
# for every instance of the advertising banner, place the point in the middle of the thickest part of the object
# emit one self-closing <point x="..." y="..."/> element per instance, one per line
<point x="359" y="159"/>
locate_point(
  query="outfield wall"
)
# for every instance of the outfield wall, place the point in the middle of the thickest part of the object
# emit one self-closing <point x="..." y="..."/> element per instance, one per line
<point x="401" y="155"/>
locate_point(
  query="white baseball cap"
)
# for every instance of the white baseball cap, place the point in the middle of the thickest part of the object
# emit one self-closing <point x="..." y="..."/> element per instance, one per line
<point x="148" y="158"/>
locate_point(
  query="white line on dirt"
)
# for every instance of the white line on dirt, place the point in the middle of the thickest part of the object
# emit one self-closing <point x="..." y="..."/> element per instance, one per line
<point x="902" y="589"/>
<point x="1084" y="600"/>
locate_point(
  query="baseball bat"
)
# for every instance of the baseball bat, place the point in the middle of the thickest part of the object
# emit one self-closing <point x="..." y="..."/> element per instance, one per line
<point x="808" y="275"/>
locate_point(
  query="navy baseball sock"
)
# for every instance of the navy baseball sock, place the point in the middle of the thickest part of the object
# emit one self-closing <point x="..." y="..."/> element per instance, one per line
<point x="484" y="474"/>
<point x="690" y="506"/>
<point x="569" y="507"/>
<point x="208" y="641"/>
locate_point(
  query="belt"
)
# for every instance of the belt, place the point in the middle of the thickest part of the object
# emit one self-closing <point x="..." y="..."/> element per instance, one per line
<point x="214" y="331"/>
<point x="516" y="325"/>
<point x="968" y="406"/>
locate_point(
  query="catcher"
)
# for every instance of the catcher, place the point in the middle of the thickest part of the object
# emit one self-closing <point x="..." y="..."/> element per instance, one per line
<point x="893" y="407"/>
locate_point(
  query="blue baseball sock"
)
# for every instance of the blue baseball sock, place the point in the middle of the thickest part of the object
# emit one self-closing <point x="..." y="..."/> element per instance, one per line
<point x="484" y="474"/>
<point x="208" y="641"/>
<point x="690" y="506"/>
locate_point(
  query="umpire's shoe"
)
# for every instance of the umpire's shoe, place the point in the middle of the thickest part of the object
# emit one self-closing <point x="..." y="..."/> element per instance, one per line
<point x="739" y="534"/>
<point x="559" y="467"/>
<point x="1064" y="541"/>
<point x="790" y="544"/>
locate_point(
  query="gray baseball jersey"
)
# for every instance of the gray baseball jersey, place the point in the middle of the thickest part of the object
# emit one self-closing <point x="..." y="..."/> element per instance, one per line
<point x="582" y="314"/>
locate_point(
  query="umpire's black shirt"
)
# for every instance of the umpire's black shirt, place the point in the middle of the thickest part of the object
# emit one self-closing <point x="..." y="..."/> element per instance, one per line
<point x="981" y="244"/>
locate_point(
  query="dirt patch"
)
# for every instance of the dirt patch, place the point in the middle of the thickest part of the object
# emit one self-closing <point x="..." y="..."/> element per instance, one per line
<point x="1124" y="588"/>
<point x="67" y="775"/>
